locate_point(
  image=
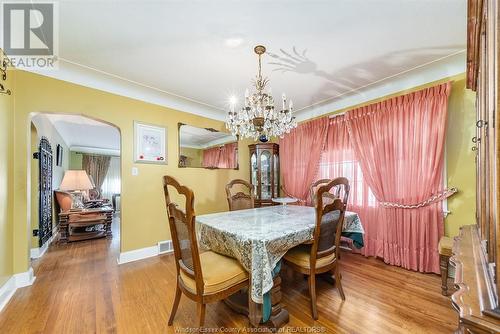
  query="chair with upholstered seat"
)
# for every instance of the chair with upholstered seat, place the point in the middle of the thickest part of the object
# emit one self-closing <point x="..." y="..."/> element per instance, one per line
<point x="240" y="200"/>
<point x="206" y="277"/>
<point x="323" y="254"/>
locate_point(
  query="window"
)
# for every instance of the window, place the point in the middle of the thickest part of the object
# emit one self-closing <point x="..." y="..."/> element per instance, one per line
<point x="111" y="184"/>
<point x="361" y="194"/>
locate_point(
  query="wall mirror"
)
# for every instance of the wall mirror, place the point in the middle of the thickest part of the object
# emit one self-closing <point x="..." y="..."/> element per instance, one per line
<point x="207" y="148"/>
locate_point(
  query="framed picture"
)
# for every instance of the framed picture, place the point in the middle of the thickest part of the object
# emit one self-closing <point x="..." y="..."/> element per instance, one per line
<point x="59" y="155"/>
<point x="150" y="143"/>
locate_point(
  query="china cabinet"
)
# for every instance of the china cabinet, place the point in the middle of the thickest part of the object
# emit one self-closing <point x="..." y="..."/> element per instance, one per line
<point x="264" y="172"/>
<point x="476" y="251"/>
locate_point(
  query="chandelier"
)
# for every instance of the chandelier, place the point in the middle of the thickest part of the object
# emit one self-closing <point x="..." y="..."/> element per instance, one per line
<point x="258" y="118"/>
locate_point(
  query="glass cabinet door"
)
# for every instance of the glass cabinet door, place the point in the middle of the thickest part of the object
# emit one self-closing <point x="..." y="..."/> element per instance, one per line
<point x="276" y="175"/>
<point x="265" y="175"/>
<point x="253" y="163"/>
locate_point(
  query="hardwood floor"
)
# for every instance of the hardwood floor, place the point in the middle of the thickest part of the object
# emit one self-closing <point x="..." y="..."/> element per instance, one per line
<point x="81" y="289"/>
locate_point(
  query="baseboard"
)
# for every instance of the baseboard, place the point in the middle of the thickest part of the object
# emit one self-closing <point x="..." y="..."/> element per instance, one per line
<point x="15" y="282"/>
<point x="140" y="254"/>
<point x="7" y="291"/>
<point x="137" y="254"/>
<point x="38" y="252"/>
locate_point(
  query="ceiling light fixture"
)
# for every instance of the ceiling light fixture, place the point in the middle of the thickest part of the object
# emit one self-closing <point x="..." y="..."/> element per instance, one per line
<point x="258" y="118"/>
<point x="234" y="42"/>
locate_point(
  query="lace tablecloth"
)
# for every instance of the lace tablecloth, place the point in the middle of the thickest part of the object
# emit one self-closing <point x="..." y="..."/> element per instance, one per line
<point x="258" y="238"/>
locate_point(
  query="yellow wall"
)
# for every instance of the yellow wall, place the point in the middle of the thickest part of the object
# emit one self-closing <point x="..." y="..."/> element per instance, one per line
<point x="143" y="214"/>
<point x="143" y="209"/>
<point x="34" y="185"/>
<point x="6" y="180"/>
<point x="459" y="157"/>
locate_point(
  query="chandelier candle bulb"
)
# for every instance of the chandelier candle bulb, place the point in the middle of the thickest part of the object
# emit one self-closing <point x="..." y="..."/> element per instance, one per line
<point x="290" y="105"/>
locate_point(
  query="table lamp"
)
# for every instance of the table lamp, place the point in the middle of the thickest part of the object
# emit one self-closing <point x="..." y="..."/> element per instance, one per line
<point x="76" y="181"/>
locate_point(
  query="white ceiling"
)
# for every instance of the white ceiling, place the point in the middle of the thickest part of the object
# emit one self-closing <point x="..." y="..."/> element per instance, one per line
<point x="194" y="137"/>
<point x="84" y="134"/>
<point x="185" y="54"/>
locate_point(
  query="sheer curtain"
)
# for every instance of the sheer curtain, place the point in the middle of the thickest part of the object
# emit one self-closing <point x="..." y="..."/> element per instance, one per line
<point x="338" y="159"/>
<point x="112" y="182"/>
<point x="392" y="152"/>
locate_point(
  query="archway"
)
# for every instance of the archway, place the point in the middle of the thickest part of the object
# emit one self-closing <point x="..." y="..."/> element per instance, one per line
<point x="76" y="139"/>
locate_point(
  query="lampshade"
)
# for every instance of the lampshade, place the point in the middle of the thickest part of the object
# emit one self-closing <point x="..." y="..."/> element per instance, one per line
<point x="76" y="180"/>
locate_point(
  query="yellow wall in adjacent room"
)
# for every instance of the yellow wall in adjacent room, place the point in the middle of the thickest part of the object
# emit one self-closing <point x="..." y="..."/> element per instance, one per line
<point x="75" y="160"/>
<point x="143" y="213"/>
<point x="6" y="180"/>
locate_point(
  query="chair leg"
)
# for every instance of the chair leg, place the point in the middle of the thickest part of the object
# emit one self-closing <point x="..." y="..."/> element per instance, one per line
<point x="177" y="298"/>
<point x="201" y="313"/>
<point x="338" y="281"/>
<point x="312" y="294"/>
<point x="443" y="267"/>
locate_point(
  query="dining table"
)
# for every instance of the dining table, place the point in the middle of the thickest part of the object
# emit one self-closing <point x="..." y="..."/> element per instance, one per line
<point x="258" y="238"/>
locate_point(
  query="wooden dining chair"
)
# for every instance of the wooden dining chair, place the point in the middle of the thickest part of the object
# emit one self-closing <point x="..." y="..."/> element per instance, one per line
<point x="322" y="255"/>
<point x="328" y="197"/>
<point x="206" y="277"/>
<point x="240" y="200"/>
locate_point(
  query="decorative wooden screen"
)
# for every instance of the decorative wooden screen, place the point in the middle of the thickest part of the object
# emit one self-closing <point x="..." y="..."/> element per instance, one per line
<point x="45" y="191"/>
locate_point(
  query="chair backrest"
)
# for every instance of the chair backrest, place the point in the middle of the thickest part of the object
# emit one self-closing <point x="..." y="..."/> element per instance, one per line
<point x="64" y="201"/>
<point x="328" y="197"/>
<point x="240" y="200"/>
<point x="182" y="229"/>
<point x="330" y="212"/>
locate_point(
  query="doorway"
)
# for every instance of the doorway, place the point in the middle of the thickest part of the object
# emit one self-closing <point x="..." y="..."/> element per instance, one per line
<point x="75" y="182"/>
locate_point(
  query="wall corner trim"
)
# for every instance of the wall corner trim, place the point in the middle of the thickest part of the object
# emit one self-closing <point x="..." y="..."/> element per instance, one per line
<point x="141" y="254"/>
<point x="38" y="252"/>
<point x="137" y="254"/>
<point x="13" y="283"/>
<point x="25" y="279"/>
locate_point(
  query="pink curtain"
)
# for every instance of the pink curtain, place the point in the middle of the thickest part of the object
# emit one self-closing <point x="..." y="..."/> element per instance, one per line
<point x="220" y="156"/>
<point x="300" y="152"/>
<point x="399" y="145"/>
<point x="210" y="157"/>
<point x="338" y="159"/>
<point x="227" y="156"/>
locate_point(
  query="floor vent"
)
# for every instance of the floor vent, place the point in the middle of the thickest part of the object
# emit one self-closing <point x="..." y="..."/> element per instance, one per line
<point x="165" y="247"/>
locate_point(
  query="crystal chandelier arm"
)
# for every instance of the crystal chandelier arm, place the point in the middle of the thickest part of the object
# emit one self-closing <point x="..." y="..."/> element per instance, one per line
<point x="258" y="117"/>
